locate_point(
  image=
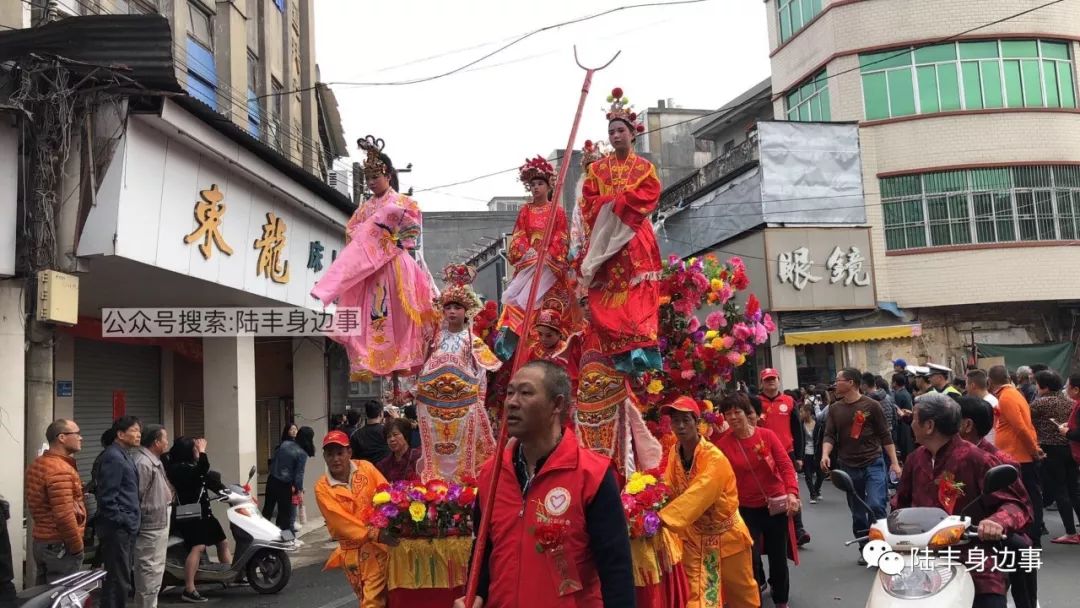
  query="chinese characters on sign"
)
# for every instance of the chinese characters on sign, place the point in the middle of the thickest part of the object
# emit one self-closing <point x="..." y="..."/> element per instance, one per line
<point x="796" y="267"/>
<point x="270" y="247"/>
<point x="209" y="214"/>
<point x="315" y="255"/>
<point x="227" y="322"/>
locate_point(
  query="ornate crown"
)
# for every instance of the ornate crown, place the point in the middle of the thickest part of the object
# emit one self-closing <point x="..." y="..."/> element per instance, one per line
<point x="536" y="168"/>
<point x="592" y="152"/>
<point x="373" y="165"/>
<point x="622" y="110"/>
<point x="459" y="278"/>
<point x="550" y="318"/>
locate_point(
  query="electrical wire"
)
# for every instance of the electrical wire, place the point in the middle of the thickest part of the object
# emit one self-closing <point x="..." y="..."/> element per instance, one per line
<point x="498" y="50"/>
<point x="737" y="108"/>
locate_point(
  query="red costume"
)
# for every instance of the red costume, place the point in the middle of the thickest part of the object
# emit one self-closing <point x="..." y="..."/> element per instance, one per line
<point x="620" y="264"/>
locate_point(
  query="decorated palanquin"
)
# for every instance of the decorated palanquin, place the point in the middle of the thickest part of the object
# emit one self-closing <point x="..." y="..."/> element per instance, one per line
<point x="455" y="432"/>
<point x="376" y="272"/>
<point x="608" y="417"/>
<point x="620" y="260"/>
<point x="554" y="291"/>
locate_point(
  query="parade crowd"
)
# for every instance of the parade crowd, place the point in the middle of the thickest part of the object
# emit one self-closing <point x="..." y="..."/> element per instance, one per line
<point x="616" y="488"/>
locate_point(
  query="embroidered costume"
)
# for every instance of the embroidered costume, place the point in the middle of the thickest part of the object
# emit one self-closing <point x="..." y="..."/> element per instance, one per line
<point x="377" y="273"/>
<point x="620" y="261"/>
<point x="554" y="292"/>
<point x="607" y="418"/>
<point x="455" y="433"/>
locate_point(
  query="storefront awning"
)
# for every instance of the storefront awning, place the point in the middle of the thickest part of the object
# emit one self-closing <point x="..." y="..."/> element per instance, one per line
<point x="851" y="334"/>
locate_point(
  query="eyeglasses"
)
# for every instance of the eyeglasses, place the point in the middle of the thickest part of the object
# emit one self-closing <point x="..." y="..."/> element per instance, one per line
<point x="76" y="433"/>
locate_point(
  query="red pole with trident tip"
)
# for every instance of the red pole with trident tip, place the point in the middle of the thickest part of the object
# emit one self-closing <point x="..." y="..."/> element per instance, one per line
<point x="521" y="355"/>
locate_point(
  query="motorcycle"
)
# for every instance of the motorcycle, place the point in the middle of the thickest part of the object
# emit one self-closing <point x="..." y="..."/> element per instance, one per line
<point x="911" y="532"/>
<point x="69" y="592"/>
<point x="261" y="557"/>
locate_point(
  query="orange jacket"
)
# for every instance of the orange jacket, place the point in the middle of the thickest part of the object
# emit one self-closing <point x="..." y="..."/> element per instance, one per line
<point x="1013" y="431"/>
<point x="346" y="509"/>
<point x="54" y="496"/>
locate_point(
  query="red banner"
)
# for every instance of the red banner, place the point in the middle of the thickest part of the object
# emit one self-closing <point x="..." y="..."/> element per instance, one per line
<point x="119" y="403"/>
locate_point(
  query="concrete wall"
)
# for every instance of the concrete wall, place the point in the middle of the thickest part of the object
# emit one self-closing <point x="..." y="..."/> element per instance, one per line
<point x="12" y="412"/>
<point x="449" y="235"/>
<point x="670" y="144"/>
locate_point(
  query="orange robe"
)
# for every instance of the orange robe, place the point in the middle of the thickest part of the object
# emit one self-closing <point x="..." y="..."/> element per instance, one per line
<point x="716" y="542"/>
<point x="620" y="261"/>
<point x="345" y="508"/>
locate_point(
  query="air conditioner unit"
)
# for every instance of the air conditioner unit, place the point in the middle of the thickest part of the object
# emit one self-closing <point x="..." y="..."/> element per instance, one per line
<point x="339" y="180"/>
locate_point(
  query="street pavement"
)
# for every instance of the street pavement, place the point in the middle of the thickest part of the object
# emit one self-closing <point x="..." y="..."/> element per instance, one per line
<point x="828" y="576"/>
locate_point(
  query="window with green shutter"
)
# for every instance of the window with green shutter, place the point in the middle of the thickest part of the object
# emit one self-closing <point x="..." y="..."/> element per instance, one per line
<point x="793" y="15"/>
<point x="972" y="75"/>
<point x="999" y="205"/>
<point x="810" y="100"/>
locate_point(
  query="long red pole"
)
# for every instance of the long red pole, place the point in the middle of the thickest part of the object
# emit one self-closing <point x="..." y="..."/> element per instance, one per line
<point x="521" y="354"/>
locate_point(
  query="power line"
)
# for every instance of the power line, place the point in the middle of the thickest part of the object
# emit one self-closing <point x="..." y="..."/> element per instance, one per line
<point x="745" y="104"/>
<point x="496" y="51"/>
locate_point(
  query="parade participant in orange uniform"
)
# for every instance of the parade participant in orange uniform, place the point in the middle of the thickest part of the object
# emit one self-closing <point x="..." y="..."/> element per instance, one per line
<point x="554" y="292"/>
<point x="704" y="511"/>
<point x="620" y="261"/>
<point x="344" y="495"/>
<point x="558" y="531"/>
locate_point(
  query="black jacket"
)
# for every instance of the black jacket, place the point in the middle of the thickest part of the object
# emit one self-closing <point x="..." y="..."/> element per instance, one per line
<point x="118" y="489"/>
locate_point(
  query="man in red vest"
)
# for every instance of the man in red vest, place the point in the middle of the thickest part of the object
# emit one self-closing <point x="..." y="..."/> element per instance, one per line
<point x="781" y="416"/>
<point x="558" y="532"/>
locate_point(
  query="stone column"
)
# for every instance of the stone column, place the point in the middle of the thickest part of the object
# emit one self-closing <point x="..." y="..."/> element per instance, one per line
<point x="311" y="407"/>
<point x="783" y="358"/>
<point x="229" y="405"/>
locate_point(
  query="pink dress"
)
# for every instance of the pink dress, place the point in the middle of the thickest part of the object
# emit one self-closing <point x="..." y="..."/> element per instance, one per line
<point x="376" y="273"/>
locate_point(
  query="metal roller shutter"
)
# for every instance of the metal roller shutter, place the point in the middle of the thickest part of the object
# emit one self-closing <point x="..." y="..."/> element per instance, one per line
<point x="101" y="368"/>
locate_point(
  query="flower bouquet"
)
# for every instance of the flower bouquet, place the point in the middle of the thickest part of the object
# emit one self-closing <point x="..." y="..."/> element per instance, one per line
<point x="410" y="509"/>
<point x="642" y="498"/>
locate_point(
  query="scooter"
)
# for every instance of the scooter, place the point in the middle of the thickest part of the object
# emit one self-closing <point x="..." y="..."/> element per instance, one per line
<point x="909" y="532"/>
<point x="261" y="557"/>
<point x="72" y="591"/>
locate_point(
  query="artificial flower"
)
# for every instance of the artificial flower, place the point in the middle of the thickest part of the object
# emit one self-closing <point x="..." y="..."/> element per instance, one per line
<point x="417" y="511"/>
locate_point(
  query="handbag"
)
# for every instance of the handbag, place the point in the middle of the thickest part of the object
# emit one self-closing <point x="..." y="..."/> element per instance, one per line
<point x="777" y="504"/>
<point x="190" y="511"/>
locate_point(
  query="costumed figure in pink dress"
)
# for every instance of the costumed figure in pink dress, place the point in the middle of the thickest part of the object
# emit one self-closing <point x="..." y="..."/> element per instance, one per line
<point x="377" y="272"/>
<point x="455" y="433"/>
<point x="554" y="291"/>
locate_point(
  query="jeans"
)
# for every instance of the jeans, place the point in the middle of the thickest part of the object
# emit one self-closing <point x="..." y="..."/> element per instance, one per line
<point x="1029" y="475"/>
<point x="54" y="562"/>
<point x="872" y="486"/>
<point x="279" y="497"/>
<point x="772" y="530"/>
<point x="989" y="600"/>
<point x="116" y="547"/>
<point x="1060" y="474"/>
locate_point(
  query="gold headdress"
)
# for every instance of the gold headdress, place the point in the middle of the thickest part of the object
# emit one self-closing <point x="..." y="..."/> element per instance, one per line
<point x="592" y="152"/>
<point x="374" y="165"/>
<point x="459" y="278"/>
<point x="622" y="110"/>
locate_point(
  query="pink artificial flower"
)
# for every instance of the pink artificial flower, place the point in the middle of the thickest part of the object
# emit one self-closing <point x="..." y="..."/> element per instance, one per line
<point x="716" y="320"/>
<point x="742" y="332"/>
<point x="760" y="334"/>
<point x="736" y="262"/>
<point x="700" y="282"/>
<point x="694" y="325"/>
<point x="688" y="374"/>
<point x="768" y="322"/>
<point x="725" y="294"/>
<point x="728" y="342"/>
<point x="735" y="358"/>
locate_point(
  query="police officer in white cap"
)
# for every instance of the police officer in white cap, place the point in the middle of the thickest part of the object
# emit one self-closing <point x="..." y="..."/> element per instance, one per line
<point x="939" y="379"/>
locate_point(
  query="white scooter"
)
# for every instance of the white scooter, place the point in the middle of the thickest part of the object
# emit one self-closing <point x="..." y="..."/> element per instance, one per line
<point x="930" y="528"/>
<point x="261" y="557"/>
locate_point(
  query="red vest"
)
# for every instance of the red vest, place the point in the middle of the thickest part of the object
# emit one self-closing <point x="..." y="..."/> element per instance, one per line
<point x="522" y="577"/>
<point x="778" y="412"/>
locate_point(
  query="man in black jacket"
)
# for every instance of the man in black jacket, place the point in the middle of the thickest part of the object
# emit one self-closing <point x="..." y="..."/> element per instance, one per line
<point x="118" y="513"/>
<point x="369" y="441"/>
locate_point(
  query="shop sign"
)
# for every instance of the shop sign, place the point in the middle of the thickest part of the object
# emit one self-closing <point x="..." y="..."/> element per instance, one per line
<point x="819" y="268"/>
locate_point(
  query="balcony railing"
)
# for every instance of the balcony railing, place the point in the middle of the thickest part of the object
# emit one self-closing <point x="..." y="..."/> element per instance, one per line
<point x="729" y="163"/>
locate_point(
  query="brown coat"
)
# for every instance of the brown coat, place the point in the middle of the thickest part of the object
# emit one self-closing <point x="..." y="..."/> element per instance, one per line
<point x="54" y="496"/>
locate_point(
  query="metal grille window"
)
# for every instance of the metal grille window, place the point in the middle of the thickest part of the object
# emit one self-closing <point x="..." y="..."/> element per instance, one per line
<point x="810" y="101"/>
<point x="1039" y="203"/>
<point x="968" y="76"/>
<point x="794" y="15"/>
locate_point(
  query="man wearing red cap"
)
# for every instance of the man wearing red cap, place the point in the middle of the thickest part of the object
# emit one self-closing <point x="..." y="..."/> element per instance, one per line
<point x="780" y="415"/>
<point x="344" y="495"/>
<point x="717" y="552"/>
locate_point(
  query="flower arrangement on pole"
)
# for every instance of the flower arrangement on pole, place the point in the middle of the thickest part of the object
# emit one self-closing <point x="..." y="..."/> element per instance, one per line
<point x="410" y="509"/>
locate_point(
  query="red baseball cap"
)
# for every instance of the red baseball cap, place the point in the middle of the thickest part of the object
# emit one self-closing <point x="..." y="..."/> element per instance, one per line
<point x="682" y="404"/>
<point x="336" y="438"/>
<point x="769" y="372"/>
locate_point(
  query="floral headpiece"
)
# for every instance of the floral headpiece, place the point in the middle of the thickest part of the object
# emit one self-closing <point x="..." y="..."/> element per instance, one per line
<point x="592" y="152"/>
<point x="622" y="110"/>
<point x="536" y="168"/>
<point x="459" y="278"/>
<point x="374" y="166"/>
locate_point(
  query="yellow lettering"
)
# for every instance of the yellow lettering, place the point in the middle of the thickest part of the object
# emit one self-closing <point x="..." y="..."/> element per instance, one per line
<point x="209" y="214"/>
<point x="270" y="247"/>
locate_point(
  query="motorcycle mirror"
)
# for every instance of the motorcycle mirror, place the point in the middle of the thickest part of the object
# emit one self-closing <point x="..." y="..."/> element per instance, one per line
<point x="251" y="472"/>
<point x="842" y="481"/>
